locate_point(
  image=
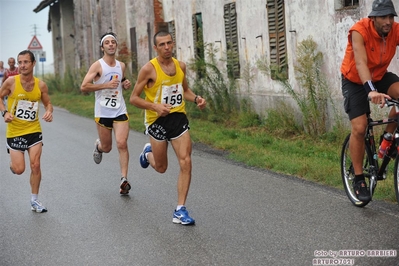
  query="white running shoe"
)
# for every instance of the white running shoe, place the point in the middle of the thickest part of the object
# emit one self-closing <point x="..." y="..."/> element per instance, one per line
<point x="37" y="206"/>
<point x="97" y="155"/>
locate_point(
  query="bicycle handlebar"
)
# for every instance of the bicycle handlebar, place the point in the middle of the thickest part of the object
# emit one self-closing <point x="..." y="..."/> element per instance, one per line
<point x="389" y="103"/>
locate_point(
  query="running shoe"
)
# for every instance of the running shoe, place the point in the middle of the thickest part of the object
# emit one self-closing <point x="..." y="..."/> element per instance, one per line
<point x="97" y="155"/>
<point x="143" y="160"/>
<point x="37" y="206"/>
<point x="181" y="217"/>
<point x="361" y="191"/>
<point x="125" y="186"/>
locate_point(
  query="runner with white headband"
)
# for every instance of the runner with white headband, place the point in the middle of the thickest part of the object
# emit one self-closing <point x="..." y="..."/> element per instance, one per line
<point x="106" y="79"/>
<point x="106" y="36"/>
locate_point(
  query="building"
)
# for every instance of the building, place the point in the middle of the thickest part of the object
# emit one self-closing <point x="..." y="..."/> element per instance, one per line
<point x="256" y="29"/>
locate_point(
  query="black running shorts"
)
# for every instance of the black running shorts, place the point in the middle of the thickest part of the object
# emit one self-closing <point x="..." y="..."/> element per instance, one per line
<point x="169" y="127"/>
<point x="355" y="96"/>
<point x="23" y="143"/>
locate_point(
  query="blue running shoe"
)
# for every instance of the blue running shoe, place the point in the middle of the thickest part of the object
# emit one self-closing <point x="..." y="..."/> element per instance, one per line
<point x="143" y="160"/>
<point x="37" y="206"/>
<point x="181" y="217"/>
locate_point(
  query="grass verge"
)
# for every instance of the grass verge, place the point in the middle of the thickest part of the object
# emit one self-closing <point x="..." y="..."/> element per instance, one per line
<point x="316" y="160"/>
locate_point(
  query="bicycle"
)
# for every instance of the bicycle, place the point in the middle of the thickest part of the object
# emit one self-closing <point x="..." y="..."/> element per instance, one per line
<point x="372" y="170"/>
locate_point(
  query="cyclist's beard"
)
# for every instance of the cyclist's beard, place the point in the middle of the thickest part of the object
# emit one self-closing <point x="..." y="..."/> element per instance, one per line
<point x="383" y="31"/>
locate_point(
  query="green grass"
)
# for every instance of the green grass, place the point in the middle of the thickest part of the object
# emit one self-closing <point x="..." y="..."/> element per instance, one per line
<point x="313" y="159"/>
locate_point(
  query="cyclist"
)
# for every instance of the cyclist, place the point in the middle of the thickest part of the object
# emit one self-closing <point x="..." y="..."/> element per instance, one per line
<point x="372" y="43"/>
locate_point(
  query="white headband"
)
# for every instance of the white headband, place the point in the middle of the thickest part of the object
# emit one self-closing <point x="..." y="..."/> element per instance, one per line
<point x="106" y="36"/>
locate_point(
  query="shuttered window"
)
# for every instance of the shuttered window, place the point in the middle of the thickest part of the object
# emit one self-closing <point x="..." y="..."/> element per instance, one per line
<point x="198" y="36"/>
<point x="230" y="24"/>
<point x="199" y="48"/>
<point x="172" y="31"/>
<point x="133" y="48"/>
<point x="277" y="37"/>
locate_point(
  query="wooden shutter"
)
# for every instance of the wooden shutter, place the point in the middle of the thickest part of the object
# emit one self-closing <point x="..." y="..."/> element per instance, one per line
<point x="230" y="24"/>
<point x="277" y="36"/>
<point x="172" y="31"/>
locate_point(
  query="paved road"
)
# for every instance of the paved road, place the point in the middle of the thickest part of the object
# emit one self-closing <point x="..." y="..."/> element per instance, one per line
<point x="244" y="216"/>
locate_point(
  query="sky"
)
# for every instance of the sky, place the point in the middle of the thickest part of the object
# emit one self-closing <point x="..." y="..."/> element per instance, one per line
<point x="17" y="28"/>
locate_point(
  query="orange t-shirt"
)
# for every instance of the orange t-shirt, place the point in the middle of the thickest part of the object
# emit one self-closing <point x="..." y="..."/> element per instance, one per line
<point x="380" y="51"/>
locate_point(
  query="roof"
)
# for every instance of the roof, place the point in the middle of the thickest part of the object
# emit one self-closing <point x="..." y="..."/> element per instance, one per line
<point x="43" y="4"/>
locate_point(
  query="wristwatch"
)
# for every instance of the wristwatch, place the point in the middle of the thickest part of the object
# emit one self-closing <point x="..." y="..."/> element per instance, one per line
<point x="3" y="113"/>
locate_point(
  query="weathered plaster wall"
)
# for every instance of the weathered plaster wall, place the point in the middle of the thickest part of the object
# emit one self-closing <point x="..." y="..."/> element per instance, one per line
<point x="139" y="13"/>
<point x="317" y="19"/>
<point x="67" y="33"/>
<point x="321" y="20"/>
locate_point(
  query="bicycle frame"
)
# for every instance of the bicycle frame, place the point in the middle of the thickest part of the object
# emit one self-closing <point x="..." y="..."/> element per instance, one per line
<point x="371" y="168"/>
<point x="377" y="172"/>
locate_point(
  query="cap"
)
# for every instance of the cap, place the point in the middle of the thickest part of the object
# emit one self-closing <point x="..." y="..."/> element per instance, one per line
<point x="382" y="8"/>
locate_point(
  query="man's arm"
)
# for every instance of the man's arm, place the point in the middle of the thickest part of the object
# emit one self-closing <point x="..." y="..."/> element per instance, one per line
<point x="146" y="74"/>
<point x="360" y="54"/>
<point x="5" y="90"/>
<point x="125" y="82"/>
<point x="95" y="71"/>
<point x="48" y="115"/>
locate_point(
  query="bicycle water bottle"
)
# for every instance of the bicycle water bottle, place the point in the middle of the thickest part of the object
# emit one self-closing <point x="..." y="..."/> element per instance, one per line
<point x="385" y="144"/>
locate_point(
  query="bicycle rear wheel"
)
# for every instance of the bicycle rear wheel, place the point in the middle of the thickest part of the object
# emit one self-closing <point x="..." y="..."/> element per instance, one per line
<point x="396" y="178"/>
<point x="348" y="174"/>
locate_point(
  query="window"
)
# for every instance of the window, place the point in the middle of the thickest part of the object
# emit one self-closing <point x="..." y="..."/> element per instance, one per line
<point x="230" y="24"/>
<point x="133" y="49"/>
<point x="199" y="48"/>
<point x="350" y="2"/>
<point x="277" y="41"/>
<point x="172" y="31"/>
<point x="346" y="4"/>
<point x="198" y="37"/>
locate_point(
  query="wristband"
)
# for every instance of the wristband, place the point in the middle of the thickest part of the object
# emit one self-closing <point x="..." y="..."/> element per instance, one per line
<point x="369" y="86"/>
<point x="195" y="99"/>
<point x="123" y="79"/>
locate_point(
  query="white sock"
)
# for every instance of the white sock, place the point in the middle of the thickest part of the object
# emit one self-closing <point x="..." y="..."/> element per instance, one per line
<point x="179" y="207"/>
<point x="33" y="197"/>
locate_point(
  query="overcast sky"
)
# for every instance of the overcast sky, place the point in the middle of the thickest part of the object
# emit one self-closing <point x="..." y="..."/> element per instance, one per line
<point x="17" y="28"/>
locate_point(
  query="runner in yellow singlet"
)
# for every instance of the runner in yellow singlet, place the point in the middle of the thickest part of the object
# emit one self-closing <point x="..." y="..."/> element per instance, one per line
<point x="165" y="86"/>
<point x="24" y="132"/>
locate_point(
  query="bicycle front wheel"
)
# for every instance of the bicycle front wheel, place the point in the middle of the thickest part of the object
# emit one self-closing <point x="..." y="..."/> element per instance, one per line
<point x="348" y="174"/>
<point x="396" y="178"/>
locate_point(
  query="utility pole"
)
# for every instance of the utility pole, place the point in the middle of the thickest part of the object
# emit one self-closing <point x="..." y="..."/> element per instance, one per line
<point x="36" y="48"/>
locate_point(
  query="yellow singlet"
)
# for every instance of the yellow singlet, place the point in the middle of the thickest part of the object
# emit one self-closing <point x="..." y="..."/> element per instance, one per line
<point x="166" y="89"/>
<point x="25" y="108"/>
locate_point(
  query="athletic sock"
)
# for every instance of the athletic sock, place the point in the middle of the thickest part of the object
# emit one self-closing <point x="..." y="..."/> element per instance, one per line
<point x="179" y="207"/>
<point x="33" y="197"/>
<point x="359" y="178"/>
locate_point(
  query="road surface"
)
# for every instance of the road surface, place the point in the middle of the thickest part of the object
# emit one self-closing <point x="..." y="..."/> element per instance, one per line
<point x="244" y="216"/>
